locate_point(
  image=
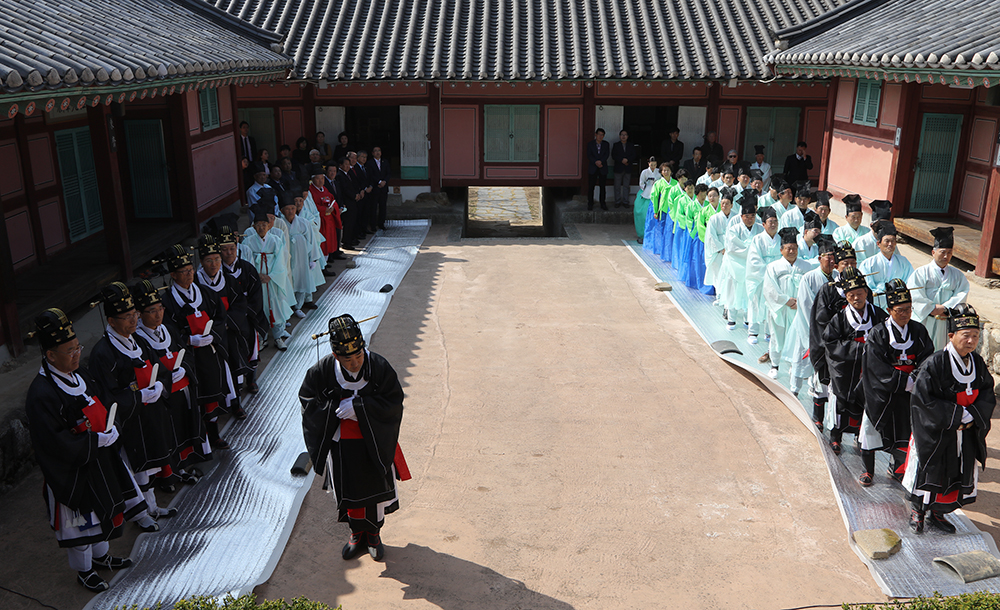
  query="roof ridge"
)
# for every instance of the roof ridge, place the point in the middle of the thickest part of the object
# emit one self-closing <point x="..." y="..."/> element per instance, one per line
<point x="232" y="22"/>
<point x="826" y="21"/>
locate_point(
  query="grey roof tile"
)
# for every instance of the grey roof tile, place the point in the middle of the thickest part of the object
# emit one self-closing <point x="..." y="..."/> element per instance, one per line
<point x="48" y="44"/>
<point x="897" y="34"/>
<point x="526" y="39"/>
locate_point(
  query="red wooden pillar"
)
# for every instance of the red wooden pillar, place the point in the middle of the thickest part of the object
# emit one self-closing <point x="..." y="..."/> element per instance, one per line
<point x="309" y="108"/>
<point x="989" y="244"/>
<point x="831" y="110"/>
<point x="104" y="136"/>
<point x="906" y="153"/>
<point x="180" y="121"/>
<point x="8" y="297"/>
<point x="589" y="127"/>
<point x="712" y="112"/>
<point x="434" y="136"/>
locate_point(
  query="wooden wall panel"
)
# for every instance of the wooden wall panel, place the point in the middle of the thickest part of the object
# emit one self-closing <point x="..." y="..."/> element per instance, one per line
<point x="225" y="105"/>
<point x="563" y="141"/>
<point x="43" y="171"/>
<point x="973" y="196"/>
<point x="460" y="142"/>
<point x="291" y="125"/>
<point x="850" y="152"/>
<point x="214" y="171"/>
<point x="193" y="112"/>
<point x="268" y="92"/>
<point x="889" y="105"/>
<point x="10" y="160"/>
<point x="22" y="245"/>
<point x="984" y="132"/>
<point x="845" y="99"/>
<point x="730" y="118"/>
<point x="50" y="214"/>
<point x="506" y="172"/>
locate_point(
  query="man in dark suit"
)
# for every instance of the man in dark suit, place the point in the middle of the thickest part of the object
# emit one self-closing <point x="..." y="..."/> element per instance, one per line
<point x="797" y="166"/>
<point x="347" y="195"/>
<point x="366" y="216"/>
<point x="378" y="169"/>
<point x="695" y="166"/>
<point x="711" y="149"/>
<point x="248" y="153"/>
<point x="624" y="155"/>
<point x="672" y="149"/>
<point x="597" y="168"/>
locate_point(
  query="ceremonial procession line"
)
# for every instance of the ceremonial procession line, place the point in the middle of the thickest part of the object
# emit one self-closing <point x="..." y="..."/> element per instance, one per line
<point x="232" y="528"/>
<point x="911" y="571"/>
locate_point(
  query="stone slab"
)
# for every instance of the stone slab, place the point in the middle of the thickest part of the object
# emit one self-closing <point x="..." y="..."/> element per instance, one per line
<point x="879" y="543"/>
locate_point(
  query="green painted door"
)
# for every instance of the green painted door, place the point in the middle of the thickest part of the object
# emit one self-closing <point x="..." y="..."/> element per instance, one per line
<point x="935" y="167"/>
<point x="148" y="171"/>
<point x="511" y="133"/>
<point x="777" y="129"/>
<point x="79" y="182"/>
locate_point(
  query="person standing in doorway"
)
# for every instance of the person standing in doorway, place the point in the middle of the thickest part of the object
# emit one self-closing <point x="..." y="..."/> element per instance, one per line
<point x="624" y="154"/>
<point x="597" y="157"/>
<point x="798" y="166"/>
<point x="672" y="150"/>
<point x="381" y="173"/>
<point x="761" y="165"/>
<point x="711" y="148"/>
<point x="248" y="153"/>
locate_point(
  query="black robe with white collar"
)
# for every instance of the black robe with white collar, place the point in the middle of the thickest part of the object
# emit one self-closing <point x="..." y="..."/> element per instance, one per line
<point x="211" y="361"/>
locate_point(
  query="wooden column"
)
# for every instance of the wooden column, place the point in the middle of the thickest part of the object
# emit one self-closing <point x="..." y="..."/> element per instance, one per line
<point x="989" y="244"/>
<point x="21" y="133"/>
<point x="309" y="108"/>
<point x="104" y="136"/>
<point x="434" y="136"/>
<point x="187" y="194"/>
<point x="831" y="110"/>
<point x="901" y="179"/>
<point x="589" y="127"/>
<point x="8" y="297"/>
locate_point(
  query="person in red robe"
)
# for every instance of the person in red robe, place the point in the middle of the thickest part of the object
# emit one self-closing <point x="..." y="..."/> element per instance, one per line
<point x="329" y="211"/>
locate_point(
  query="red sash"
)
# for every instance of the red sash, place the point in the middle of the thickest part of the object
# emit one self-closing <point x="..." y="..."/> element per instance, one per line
<point x="143" y="375"/>
<point x="168" y="361"/>
<point x="350" y="430"/>
<point x="197" y="321"/>
<point x="95" y="416"/>
<point x="905" y="368"/>
<point x="225" y="303"/>
<point x="965" y="399"/>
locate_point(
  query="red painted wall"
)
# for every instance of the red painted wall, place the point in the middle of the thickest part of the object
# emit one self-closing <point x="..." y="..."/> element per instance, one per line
<point x="860" y="164"/>
<point x="459" y="142"/>
<point x="563" y="126"/>
<point x="215" y="170"/>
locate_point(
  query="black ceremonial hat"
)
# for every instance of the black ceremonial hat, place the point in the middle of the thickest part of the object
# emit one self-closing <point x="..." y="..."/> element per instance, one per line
<point x="259" y="211"/>
<point x="758" y="149"/>
<point x="826" y="243"/>
<point x="962" y="316"/>
<point x="145" y="294"/>
<point x="844" y="251"/>
<point x="813" y="223"/>
<point x="944" y="237"/>
<point x="766" y="212"/>
<point x="755" y="174"/>
<point x="779" y="185"/>
<point x="117" y="299"/>
<point x="748" y="203"/>
<point x="789" y="235"/>
<point x="727" y="192"/>
<point x="823" y="198"/>
<point x="287" y="198"/>
<point x="744" y="171"/>
<point x="896" y="293"/>
<point x="208" y="245"/>
<point x="884" y="228"/>
<point x="316" y="169"/>
<point x="345" y="335"/>
<point x="177" y="257"/>
<point x="852" y="279"/>
<point x="228" y="236"/>
<point x="881" y="209"/>
<point x="53" y="328"/>
<point x="804" y="190"/>
<point x="852" y="203"/>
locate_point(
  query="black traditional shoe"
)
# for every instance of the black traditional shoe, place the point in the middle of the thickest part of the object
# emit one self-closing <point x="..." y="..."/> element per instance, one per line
<point x="166" y="513"/>
<point x="916" y="521"/>
<point x="166" y="486"/>
<point x="896" y="476"/>
<point x="113" y="563"/>
<point x="818" y="423"/>
<point x="147" y="524"/>
<point x="310" y="305"/>
<point x="354" y="545"/>
<point x="91" y="581"/>
<point x="375" y="547"/>
<point x="939" y="521"/>
<point x="836" y="447"/>
<point x="327" y="273"/>
<point x="865" y="479"/>
<point x="191" y="476"/>
<point x="240" y="414"/>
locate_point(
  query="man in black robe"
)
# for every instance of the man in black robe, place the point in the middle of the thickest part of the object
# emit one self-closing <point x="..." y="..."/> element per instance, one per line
<point x="212" y="277"/>
<point x="129" y="373"/>
<point x="844" y="339"/>
<point x="352" y="405"/>
<point x="247" y="312"/>
<point x="164" y="338"/>
<point x="829" y="301"/>
<point x="89" y="492"/>
<point x="893" y="352"/>
<point x="950" y="412"/>
<point x="348" y="197"/>
<point x="201" y="320"/>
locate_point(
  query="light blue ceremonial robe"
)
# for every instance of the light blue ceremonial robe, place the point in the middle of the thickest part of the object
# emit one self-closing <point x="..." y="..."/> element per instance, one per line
<point x="792" y="218"/>
<point x="846" y="233"/>
<point x="762" y="251"/>
<point x="878" y="270"/>
<point x="734" y="265"/>
<point x="781" y="283"/>
<point x="267" y="256"/>
<point x="931" y="286"/>
<point x="865" y="246"/>
<point x="715" y="241"/>
<point x="797" y="340"/>
<point x="806" y="252"/>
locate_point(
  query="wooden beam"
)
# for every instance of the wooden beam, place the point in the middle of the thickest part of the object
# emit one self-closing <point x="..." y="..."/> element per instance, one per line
<point x="831" y="110"/>
<point x="901" y="179"/>
<point x="589" y="127"/>
<point x="989" y="245"/>
<point x="434" y="136"/>
<point x="104" y="140"/>
<point x="187" y="194"/>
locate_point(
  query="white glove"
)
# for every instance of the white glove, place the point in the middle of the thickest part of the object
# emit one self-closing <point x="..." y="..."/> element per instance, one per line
<point x="910" y="382"/>
<point x="177" y="375"/>
<point x="105" y="439"/>
<point x="346" y="409"/>
<point x="201" y="340"/>
<point x="966" y="416"/>
<point x="343" y="209"/>
<point x="312" y="264"/>
<point x="152" y="394"/>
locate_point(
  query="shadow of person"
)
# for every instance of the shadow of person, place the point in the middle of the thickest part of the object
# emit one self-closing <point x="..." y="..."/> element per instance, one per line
<point x="451" y="583"/>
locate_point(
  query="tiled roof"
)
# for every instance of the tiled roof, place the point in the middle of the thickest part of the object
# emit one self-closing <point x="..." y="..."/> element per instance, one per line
<point x="526" y="39"/>
<point x="897" y="35"/>
<point x="49" y="44"/>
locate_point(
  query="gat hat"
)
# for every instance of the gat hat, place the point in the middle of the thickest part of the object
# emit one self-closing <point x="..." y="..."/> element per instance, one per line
<point x="826" y="243"/>
<point x="813" y="222"/>
<point x="780" y="186"/>
<point x="259" y="211"/>
<point x="962" y="316"/>
<point x="755" y="174"/>
<point x="852" y="279"/>
<point x="117" y="299"/>
<point x="765" y="212"/>
<point x="345" y="336"/>
<point x="844" y="251"/>
<point x="145" y="294"/>
<point x="758" y="149"/>
<point x="227" y="236"/>
<point x="884" y="228"/>
<point x="727" y="192"/>
<point x="748" y="203"/>
<point x="804" y="190"/>
<point x="823" y="198"/>
<point x="852" y="203"/>
<point x="287" y="198"/>
<point x="789" y="235"/>
<point x="896" y="293"/>
<point x="316" y="169"/>
<point x="53" y="328"/>
<point x="881" y="210"/>
<point x="208" y="245"/>
<point x="944" y="237"/>
<point x="177" y="257"/>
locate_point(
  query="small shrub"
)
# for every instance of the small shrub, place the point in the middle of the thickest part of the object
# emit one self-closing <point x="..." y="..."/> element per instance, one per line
<point x="980" y="600"/>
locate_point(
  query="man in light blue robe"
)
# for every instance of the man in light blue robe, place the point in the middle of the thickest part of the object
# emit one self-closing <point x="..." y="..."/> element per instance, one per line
<point x="866" y="245"/>
<point x="796" y="348"/>
<point x="937" y="287"/>
<point x="734" y="265"/>
<point x="764" y="249"/>
<point x="780" y="294"/>
<point x="853" y="229"/>
<point x="887" y="264"/>
<point x="264" y="249"/>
